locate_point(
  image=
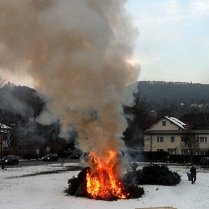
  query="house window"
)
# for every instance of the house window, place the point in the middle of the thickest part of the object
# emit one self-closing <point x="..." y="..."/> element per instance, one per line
<point x="164" y="123"/>
<point x="172" y="139"/>
<point x="160" y="150"/>
<point x="202" y="139"/>
<point x="160" y="139"/>
<point x="184" y="151"/>
<point x="202" y="152"/>
<point x="183" y="139"/>
<point x="5" y="136"/>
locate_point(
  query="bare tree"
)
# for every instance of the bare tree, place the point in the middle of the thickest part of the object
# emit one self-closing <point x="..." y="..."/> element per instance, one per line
<point x="190" y="143"/>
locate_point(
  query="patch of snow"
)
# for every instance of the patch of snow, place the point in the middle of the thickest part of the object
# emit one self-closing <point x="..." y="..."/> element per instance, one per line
<point x="176" y="121"/>
<point x="46" y="191"/>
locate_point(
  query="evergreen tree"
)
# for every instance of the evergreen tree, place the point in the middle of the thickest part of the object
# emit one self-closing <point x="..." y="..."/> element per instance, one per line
<point x="136" y="116"/>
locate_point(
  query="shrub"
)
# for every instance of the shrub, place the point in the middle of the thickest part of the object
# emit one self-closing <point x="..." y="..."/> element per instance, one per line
<point x="154" y="175"/>
<point x="77" y="186"/>
<point x="134" y="191"/>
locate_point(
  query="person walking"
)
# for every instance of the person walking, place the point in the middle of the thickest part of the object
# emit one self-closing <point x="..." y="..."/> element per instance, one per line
<point x="193" y="172"/>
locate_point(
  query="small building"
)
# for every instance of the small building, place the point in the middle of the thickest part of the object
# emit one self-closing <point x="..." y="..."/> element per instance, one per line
<point x="5" y="133"/>
<point x="166" y="134"/>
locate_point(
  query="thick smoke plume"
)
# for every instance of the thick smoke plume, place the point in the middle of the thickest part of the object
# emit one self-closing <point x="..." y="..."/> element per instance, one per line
<point x="77" y="53"/>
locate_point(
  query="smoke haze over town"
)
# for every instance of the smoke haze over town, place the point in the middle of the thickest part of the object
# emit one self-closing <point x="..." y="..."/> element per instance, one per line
<point x="78" y="54"/>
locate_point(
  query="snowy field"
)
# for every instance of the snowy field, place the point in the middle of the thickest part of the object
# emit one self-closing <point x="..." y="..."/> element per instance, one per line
<point x="46" y="191"/>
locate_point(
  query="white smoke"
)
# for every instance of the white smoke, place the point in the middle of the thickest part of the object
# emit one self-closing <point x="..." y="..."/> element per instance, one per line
<point x="76" y="52"/>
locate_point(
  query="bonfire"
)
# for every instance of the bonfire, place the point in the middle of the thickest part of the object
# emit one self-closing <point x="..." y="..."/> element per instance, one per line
<point x="102" y="179"/>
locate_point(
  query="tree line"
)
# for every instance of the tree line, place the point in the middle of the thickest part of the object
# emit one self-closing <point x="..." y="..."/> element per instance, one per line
<point x="175" y="98"/>
<point x="20" y="106"/>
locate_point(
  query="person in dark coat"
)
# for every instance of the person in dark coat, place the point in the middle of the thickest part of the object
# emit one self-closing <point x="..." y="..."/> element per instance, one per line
<point x="193" y="172"/>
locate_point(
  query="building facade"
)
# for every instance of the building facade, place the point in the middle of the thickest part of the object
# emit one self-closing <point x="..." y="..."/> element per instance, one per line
<point x="167" y="133"/>
<point x="5" y="134"/>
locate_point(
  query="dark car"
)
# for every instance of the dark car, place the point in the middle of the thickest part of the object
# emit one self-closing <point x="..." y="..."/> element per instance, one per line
<point x="76" y="154"/>
<point x="11" y="160"/>
<point x="50" y="157"/>
<point x="204" y="161"/>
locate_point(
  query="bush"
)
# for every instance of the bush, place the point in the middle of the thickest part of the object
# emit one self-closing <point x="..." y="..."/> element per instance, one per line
<point x="156" y="156"/>
<point x="186" y="158"/>
<point x="154" y="175"/>
<point x="134" y="191"/>
<point x="77" y="186"/>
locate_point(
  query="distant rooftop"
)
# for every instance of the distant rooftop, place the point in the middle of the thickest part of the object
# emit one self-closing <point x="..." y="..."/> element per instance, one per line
<point x="196" y="121"/>
<point x="2" y="126"/>
<point x="176" y="121"/>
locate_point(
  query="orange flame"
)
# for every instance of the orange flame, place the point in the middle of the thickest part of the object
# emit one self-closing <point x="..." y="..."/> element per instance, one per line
<point x="102" y="180"/>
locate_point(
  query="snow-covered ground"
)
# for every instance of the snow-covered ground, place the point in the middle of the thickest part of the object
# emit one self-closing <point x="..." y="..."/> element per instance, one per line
<point x="46" y="191"/>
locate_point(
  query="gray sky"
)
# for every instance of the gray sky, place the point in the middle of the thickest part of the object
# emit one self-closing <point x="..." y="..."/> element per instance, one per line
<point x="173" y="41"/>
<point x="172" y="44"/>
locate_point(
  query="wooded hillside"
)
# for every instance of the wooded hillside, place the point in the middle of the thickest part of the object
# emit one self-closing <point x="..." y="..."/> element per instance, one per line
<point x="178" y="97"/>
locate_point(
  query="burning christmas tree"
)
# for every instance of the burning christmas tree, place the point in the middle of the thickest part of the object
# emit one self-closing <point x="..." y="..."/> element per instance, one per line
<point x="102" y="180"/>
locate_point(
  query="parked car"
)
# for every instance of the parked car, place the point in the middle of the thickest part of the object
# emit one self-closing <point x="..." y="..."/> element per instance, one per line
<point x="76" y="154"/>
<point x="11" y="160"/>
<point x="50" y="157"/>
<point x="204" y="161"/>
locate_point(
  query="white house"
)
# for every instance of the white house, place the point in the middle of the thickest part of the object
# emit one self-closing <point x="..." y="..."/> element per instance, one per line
<point x="166" y="134"/>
